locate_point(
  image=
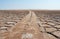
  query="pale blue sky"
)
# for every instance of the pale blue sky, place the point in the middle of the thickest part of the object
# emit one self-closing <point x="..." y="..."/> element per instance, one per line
<point x="30" y="4"/>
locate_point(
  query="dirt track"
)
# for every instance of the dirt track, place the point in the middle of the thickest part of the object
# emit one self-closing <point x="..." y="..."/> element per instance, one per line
<point x="28" y="28"/>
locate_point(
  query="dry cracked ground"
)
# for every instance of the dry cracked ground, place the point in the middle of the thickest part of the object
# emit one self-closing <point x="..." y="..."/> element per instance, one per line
<point x="29" y="24"/>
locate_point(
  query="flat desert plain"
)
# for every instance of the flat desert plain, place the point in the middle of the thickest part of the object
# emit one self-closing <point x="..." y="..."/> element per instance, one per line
<point x="29" y="24"/>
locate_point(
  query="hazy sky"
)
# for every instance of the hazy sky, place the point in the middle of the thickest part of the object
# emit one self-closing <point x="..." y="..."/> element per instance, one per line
<point x="29" y="4"/>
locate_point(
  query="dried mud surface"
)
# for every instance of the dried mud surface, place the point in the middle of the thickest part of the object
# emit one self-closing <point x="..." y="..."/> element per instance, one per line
<point x="32" y="24"/>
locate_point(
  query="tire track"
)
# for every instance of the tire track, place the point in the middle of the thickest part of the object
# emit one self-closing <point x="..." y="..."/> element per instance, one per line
<point x="27" y="28"/>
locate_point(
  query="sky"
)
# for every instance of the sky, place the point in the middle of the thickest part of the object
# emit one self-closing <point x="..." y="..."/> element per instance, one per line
<point x="30" y="4"/>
